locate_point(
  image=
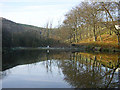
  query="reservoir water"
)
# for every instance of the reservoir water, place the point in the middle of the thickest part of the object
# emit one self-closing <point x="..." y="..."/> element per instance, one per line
<point x="59" y="69"/>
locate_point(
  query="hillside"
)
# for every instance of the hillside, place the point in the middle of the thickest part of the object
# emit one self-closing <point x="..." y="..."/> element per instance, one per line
<point x="21" y="35"/>
<point x="17" y="27"/>
<point x="108" y="41"/>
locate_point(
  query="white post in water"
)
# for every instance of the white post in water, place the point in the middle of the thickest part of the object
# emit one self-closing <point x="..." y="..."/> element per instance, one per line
<point x="48" y="46"/>
<point x="48" y="49"/>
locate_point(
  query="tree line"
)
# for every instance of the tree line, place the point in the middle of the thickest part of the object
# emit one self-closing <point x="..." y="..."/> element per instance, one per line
<point x="90" y="20"/>
<point x="85" y="21"/>
<point x="20" y="35"/>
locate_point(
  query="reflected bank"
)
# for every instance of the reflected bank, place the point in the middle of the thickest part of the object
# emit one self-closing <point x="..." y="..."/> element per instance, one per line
<point x="60" y="69"/>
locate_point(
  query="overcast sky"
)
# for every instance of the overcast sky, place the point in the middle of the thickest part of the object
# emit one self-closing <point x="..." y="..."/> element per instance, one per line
<point x="36" y="12"/>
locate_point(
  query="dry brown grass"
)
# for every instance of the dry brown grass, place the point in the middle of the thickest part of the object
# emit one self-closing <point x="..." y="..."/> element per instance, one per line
<point x="108" y="41"/>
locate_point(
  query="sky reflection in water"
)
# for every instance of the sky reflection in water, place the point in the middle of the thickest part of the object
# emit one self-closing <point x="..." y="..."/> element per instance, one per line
<point x="59" y="70"/>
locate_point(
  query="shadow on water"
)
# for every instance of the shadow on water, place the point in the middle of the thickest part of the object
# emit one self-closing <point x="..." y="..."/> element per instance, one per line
<point x="80" y="70"/>
<point x="22" y="57"/>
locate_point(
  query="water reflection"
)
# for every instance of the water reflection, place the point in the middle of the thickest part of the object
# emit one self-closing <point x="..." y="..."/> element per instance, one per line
<point x="87" y="71"/>
<point x="72" y="69"/>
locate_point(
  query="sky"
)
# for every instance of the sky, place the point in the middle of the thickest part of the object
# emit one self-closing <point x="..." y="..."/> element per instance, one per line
<point x="36" y="12"/>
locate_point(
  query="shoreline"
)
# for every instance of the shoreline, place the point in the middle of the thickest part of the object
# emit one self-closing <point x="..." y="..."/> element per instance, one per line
<point x="72" y="48"/>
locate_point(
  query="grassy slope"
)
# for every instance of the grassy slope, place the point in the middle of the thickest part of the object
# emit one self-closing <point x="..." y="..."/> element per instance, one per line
<point x="108" y="41"/>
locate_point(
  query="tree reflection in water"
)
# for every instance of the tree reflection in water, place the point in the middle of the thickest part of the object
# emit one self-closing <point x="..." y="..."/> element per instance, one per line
<point x="81" y="70"/>
<point x="88" y="72"/>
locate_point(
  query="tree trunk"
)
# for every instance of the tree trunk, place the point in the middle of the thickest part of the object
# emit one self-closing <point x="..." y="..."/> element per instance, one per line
<point x="76" y="34"/>
<point x="118" y="37"/>
<point x="80" y="37"/>
<point x="80" y="33"/>
<point x="110" y="31"/>
<point x="70" y="39"/>
<point x="100" y="35"/>
<point x="100" y="38"/>
<point x="94" y="33"/>
<point x="74" y="37"/>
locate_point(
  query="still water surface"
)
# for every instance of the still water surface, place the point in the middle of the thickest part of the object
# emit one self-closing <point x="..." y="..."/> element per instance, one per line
<point x="59" y="69"/>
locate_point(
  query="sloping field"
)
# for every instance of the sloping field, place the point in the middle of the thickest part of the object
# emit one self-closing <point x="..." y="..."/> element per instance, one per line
<point x="108" y="41"/>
